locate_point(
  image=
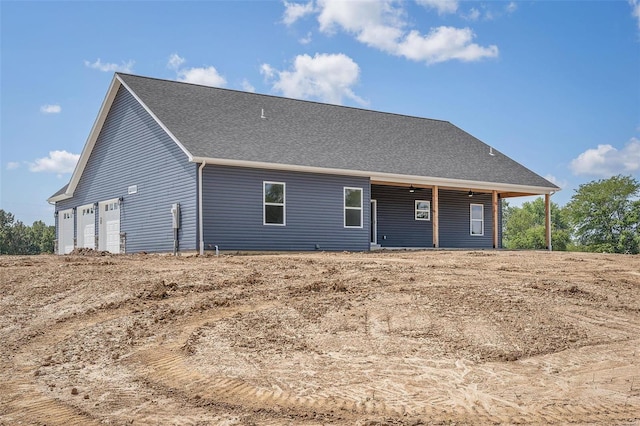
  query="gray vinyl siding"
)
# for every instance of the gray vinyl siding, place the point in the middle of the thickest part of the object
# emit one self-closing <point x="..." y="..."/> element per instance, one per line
<point x="314" y="203"/>
<point x="397" y="226"/>
<point x="132" y="149"/>
<point x="454" y="220"/>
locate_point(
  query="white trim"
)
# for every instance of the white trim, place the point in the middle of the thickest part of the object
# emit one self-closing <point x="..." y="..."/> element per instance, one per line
<point x="471" y="220"/>
<point x="374" y="221"/>
<point x="384" y="177"/>
<point x="283" y="204"/>
<point x="415" y="210"/>
<point x="345" y="207"/>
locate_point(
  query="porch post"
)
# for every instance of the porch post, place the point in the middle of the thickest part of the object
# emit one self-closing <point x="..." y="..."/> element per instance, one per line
<point x="547" y="220"/>
<point x="434" y="219"/>
<point x="494" y="204"/>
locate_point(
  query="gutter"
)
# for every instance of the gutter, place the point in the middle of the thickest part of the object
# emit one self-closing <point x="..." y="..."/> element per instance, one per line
<point x="388" y="178"/>
<point x="200" y="209"/>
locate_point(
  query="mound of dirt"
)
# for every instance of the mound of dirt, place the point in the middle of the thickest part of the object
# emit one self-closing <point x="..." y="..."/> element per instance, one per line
<point x="88" y="252"/>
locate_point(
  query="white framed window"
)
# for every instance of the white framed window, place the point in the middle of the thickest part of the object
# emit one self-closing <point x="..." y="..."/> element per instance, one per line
<point x="423" y="210"/>
<point x="352" y="207"/>
<point x="274" y="197"/>
<point x="112" y="206"/>
<point x="476" y="214"/>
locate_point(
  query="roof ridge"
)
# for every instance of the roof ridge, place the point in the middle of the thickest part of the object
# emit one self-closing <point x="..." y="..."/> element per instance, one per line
<point x="286" y="98"/>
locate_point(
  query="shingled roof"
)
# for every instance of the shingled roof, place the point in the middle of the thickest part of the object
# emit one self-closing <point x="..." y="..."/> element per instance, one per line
<point x="226" y="126"/>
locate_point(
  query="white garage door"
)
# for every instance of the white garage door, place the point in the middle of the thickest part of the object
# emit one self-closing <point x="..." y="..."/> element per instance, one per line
<point x="65" y="231"/>
<point x="86" y="219"/>
<point x="109" y="230"/>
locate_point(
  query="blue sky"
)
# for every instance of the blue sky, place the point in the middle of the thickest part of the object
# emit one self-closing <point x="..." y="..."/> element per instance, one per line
<point x="553" y="84"/>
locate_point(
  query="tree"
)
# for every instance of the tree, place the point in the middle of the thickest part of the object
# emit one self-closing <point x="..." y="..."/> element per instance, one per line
<point x="17" y="238"/>
<point x="605" y="215"/>
<point x="524" y="227"/>
<point x="42" y="237"/>
<point x="6" y="225"/>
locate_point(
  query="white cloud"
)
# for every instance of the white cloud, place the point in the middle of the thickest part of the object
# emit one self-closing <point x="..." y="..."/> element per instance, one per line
<point x="125" y="67"/>
<point x="56" y="162"/>
<point x="206" y="76"/>
<point x="554" y="180"/>
<point x="376" y="23"/>
<point x="381" y="24"/>
<point x="175" y="61"/>
<point x="511" y="7"/>
<point x="326" y="77"/>
<point x="442" y="6"/>
<point x="50" y="109"/>
<point x="606" y="160"/>
<point x="635" y="10"/>
<point x="307" y="39"/>
<point x="473" y="15"/>
<point x="295" y="11"/>
<point x="248" y="87"/>
<point x="443" y="44"/>
<point x="12" y="165"/>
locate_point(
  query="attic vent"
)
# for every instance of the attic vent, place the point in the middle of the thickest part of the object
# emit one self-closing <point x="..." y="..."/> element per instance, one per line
<point x="262" y="114"/>
<point x="491" y="153"/>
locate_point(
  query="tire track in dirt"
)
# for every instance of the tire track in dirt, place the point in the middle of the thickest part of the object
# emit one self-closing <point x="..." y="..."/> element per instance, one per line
<point x="170" y="368"/>
<point x="22" y="401"/>
<point x="25" y="405"/>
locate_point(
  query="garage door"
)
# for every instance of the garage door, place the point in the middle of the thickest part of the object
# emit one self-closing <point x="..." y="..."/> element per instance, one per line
<point x="109" y="231"/>
<point x="86" y="219"/>
<point x="65" y="231"/>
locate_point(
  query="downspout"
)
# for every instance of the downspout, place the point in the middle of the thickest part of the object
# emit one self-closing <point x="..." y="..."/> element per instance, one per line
<point x="200" y="209"/>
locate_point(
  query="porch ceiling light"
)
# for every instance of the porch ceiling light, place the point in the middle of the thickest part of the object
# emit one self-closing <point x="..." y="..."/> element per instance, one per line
<point x="470" y="193"/>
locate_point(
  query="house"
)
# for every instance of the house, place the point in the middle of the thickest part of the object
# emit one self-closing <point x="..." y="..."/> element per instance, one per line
<point x="177" y="166"/>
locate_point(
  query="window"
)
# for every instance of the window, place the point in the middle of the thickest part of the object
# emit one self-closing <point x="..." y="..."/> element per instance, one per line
<point x="353" y="207"/>
<point x="274" y="200"/>
<point x="423" y="210"/>
<point x="477" y="219"/>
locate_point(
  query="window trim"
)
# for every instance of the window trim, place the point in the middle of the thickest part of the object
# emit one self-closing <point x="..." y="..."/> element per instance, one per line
<point x="345" y="207"/>
<point x="428" y="210"/>
<point x="265" y="203"/>
<point x="471" y="220"/>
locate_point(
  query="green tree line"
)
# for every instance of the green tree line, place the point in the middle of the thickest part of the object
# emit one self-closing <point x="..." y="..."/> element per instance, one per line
<point x="602" y="216"/>
<point x="18" y="238"/>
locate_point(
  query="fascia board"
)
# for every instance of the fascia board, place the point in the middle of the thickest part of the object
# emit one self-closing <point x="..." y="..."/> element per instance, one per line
<point x="60" y="197"/>
<point x="157" y="120"/>
<point x="91" y="140"/>
<point x="97" y="128"/>
<point x="385" y="177"/>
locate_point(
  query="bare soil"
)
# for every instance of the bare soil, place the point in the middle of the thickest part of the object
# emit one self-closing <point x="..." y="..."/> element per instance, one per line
<point x="382" y="338"/>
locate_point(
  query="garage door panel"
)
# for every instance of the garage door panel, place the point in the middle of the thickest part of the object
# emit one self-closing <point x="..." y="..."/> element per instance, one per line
<point x="109" y="229"/>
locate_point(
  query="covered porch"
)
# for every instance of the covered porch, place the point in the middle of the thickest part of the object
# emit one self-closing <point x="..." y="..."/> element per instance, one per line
<point x="418" y="215"/>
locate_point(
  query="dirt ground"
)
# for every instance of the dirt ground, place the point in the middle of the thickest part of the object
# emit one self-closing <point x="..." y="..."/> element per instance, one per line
<point x="382" y="338"/>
